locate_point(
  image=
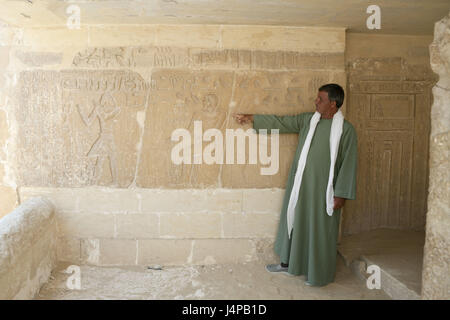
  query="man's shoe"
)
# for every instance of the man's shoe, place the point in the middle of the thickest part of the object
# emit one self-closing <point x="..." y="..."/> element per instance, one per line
<point x="277" y="268"/>
<point x="313" y="285"/>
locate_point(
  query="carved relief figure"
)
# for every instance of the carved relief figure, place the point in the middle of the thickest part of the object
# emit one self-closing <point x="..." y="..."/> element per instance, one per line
<point x="104" y="148"/>
<point x="210" y="103"/>
<point x="211" y="118"/>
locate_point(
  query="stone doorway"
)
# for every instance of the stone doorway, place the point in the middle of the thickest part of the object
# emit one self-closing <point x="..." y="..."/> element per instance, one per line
<point x="390" y="106"/>
<point x="390" y="109"/>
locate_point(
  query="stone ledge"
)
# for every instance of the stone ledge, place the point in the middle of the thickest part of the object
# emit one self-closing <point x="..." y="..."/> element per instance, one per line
<point x="27" y="248"/>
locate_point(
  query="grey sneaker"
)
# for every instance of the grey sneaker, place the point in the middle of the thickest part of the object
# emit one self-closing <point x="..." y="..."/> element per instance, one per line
<point x="312" y="285"/>
<point x="277" y="268"/>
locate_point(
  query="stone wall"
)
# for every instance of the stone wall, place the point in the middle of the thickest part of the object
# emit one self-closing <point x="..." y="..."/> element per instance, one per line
<point x="107" y="226"/>
<point x="28" y="239"/>
<point x="167" y="79"/>
<point x="436" y="267"/>
<point x="90" y="115"/>
<point x="8" y="197"/>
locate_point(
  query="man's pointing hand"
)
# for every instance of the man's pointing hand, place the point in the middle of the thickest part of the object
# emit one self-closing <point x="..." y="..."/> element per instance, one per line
<point x="338" y="203"/>
<point x="243" y="118"/>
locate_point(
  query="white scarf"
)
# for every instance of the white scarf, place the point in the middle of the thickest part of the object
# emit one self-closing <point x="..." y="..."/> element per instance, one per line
<point x="335" y="137"/>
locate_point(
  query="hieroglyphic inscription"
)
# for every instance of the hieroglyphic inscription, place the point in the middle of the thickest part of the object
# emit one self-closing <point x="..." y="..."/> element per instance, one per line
<point x="392" y="107"/>
<point x="389" y="86"/>
<point x="388" y="69"/>
<point x="173" y="57"/>
<point x="106" y="57"/>
<point x="263" y="60"/>
<point x="78" y="128"/>
<point x="132" y="87"/>
<point x="288" y="92"/>
<point x="237" y="59"/>
<point x="166" y="57"/>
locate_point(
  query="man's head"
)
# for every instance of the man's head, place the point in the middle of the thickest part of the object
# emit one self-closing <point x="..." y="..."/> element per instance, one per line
<point x="107" y="102"/>
<point x="329" y="98"/>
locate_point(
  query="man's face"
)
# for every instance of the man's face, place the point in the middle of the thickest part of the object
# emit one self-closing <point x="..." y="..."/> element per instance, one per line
<point x="107" y="103"/>
<point x="323" y="104"/>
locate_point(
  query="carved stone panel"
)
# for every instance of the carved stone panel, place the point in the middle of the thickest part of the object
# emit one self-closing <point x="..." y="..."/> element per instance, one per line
<point x="78" y="128"/>
<point x="177" y="100"/>
<point x="389" y="170"/>
<point x="106" y="125"/>
<point x="281" y="93"/>
<point x="392" y="120"/>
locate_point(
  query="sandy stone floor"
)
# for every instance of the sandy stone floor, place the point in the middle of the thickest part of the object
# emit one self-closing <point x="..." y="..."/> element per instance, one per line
<point x="232" y="281"/>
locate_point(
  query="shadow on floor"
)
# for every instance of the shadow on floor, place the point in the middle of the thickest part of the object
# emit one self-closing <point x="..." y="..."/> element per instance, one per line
<point x="398" y="253"/>
<point x="242" y="281"/>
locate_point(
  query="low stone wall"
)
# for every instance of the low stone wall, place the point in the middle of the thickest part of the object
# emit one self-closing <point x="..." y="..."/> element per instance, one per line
<point x="27" y="249"/>
<point x="106" y="226"/>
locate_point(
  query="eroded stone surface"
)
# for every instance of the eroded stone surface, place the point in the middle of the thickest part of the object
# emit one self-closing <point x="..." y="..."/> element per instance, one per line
<point x="39" y="59"/>
<point x="27" y="249"/>
<point x="224" y="281"/>
<point x="435" y="280"/>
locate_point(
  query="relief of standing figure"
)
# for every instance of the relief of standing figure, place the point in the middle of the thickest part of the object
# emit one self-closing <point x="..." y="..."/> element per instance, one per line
<point x="104" y="148"/>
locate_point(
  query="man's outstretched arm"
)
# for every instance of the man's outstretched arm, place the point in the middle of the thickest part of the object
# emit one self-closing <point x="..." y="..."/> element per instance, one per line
<point x="285" y="124"/>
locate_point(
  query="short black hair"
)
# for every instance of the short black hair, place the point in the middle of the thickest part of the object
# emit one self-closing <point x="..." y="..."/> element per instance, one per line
<point x="335" y="93"/>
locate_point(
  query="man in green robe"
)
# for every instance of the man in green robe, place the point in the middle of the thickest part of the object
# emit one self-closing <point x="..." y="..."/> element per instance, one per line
<point x="311" y="249"/>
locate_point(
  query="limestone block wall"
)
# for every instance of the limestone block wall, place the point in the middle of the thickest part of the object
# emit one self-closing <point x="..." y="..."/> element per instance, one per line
<point x="106" y="226"/>
<point x="28" y="240"/>
<point x="90" y="115"/>
<point x="436" y="266"/>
